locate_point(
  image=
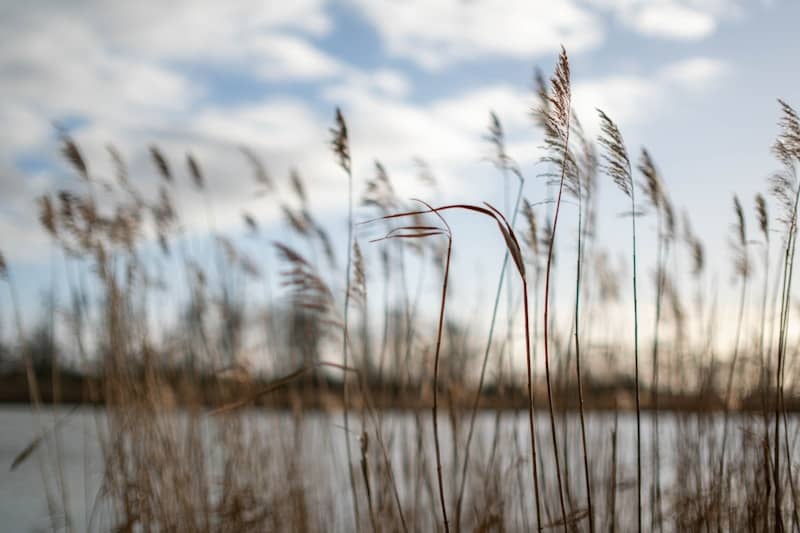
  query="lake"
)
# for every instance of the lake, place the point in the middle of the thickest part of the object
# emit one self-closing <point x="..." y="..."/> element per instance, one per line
<point x="75" y="456"/>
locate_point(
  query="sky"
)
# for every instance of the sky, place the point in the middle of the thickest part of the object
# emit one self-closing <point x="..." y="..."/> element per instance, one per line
<point x="695" y="81"/>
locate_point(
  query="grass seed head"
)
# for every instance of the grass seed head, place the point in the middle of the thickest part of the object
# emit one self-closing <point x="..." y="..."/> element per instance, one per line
<point x="341" y="142"/>
<point x="161" y="163"/>
<point x="195" y="172"/>
<point x="616" y="161"/>
<point x="761" y="214"/>
<point x="73" y="155"/>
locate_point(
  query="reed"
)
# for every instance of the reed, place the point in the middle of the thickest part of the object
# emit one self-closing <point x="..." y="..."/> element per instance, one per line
<point x="618" y="167"/>
<point x="222" y="365"/>
<point x="559" y="127"/>
<point x="341" y="148"/>
<point x="787" y="193"/>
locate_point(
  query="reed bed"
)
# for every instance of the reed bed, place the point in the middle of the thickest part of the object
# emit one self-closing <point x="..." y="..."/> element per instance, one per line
<point x="437" y="433"/>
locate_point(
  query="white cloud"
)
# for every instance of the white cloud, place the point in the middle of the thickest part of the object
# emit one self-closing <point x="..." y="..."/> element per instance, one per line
<point x="695" y="73"/>
<point x="23" y="128"/>
<point x="447" y="132"/>
<point x="391" y="82"/>
<point x="440" y="32"/>
<point x="281" y="57"/>
<point x="182" y="29"/>
<point x="115" y="66"/>
<point x="276" y="124"/>
<point x="671" y="19"/>
<point x="632" y="99"/>
<point x="625" y="98"/>
<point x="386" y="82"/>
<point x="62" y="68"/>
<point x="471" y="110"/>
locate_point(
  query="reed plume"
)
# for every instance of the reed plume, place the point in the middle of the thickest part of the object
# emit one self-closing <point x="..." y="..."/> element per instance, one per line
<point x="785" y="188"/>
<point x="557" y="129"/>
<point x="160" y="161"/>
<point x="71" y="152"/>
<point x="617" y="165"/>
<point x="340" y="144"/>
<point x="195" y="172"/>
<point x="654" y="191"/>
<point x="260" y="173"/>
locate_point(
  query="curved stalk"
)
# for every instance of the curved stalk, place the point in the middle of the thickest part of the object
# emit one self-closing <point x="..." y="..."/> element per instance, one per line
<point x="476" y="399"/>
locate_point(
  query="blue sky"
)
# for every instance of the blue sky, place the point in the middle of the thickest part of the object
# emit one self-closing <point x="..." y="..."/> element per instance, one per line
<point x="695" y="81"/>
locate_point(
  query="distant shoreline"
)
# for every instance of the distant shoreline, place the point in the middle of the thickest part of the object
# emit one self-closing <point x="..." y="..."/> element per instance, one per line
<point x="326" y="395"/>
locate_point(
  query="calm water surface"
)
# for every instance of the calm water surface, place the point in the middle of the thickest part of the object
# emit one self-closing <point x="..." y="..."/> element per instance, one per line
<point x="24" y="492"/>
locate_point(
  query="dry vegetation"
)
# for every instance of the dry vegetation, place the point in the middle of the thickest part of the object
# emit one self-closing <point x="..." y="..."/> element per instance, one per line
<point x="184" y="448"/>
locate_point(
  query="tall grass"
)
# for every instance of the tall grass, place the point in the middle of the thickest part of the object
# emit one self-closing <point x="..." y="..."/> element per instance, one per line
<point x="656" y="194"/>
<point x="618" y="167"/>
<point x="787" y="192"/>
<point x="559" y="126"/>
<point x="166" y="327"/>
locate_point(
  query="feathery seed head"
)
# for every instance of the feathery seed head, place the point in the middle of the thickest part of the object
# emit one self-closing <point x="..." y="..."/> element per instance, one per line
<point x="299" y="189"/>
<point x="250" y="222"/>
<point x="47" y="215"/>
<point x="783" y="184"/>
<point x="358" y="289"/>
<point x="541" y="110"/>
<point x="554" y="116"/>
<point x="761" y="213"/>
<point x="741" y="230"/>
<point x="425" y="173"/>
<point x="70" y="150"/>
<point x="195" y="172"/>
<point x="652" y="180"/>
<point x="379" y="190"/>
<point x="531" y="237"/>
<point x="260" y="173"/>
<point x="161" y="163"/>
<point x="340" y="142"/>
<point x="587" y="162"/>
<point x="120" y="169"/>
<point x="669" y="218"/>
<point x="308" y="289"/>
<point x="739" y="243"/>
<point x="617" y="163"/>
<point x="560" y="95"/>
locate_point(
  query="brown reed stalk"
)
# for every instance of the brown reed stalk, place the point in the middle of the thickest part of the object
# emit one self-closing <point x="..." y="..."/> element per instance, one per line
<point x="557" y="139"/>
<point x="763" y="224"/>
<point x="656" y="194"/>
<point x="585" y="175"/>
<point x="341" y="148"/>
<point x="512" y="244"/>
<point x="417" y="232"/>
<point x="742" y="268"/>
<point x="787" y="192"/>
<point x="364" y="440"/>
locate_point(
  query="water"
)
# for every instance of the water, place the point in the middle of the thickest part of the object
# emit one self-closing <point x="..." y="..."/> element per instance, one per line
<point x="74" y="455"/>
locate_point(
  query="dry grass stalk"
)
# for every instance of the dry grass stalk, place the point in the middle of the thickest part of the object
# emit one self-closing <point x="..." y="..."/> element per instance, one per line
<point x="557" y="128"/>
<point x="617" y="165"/>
